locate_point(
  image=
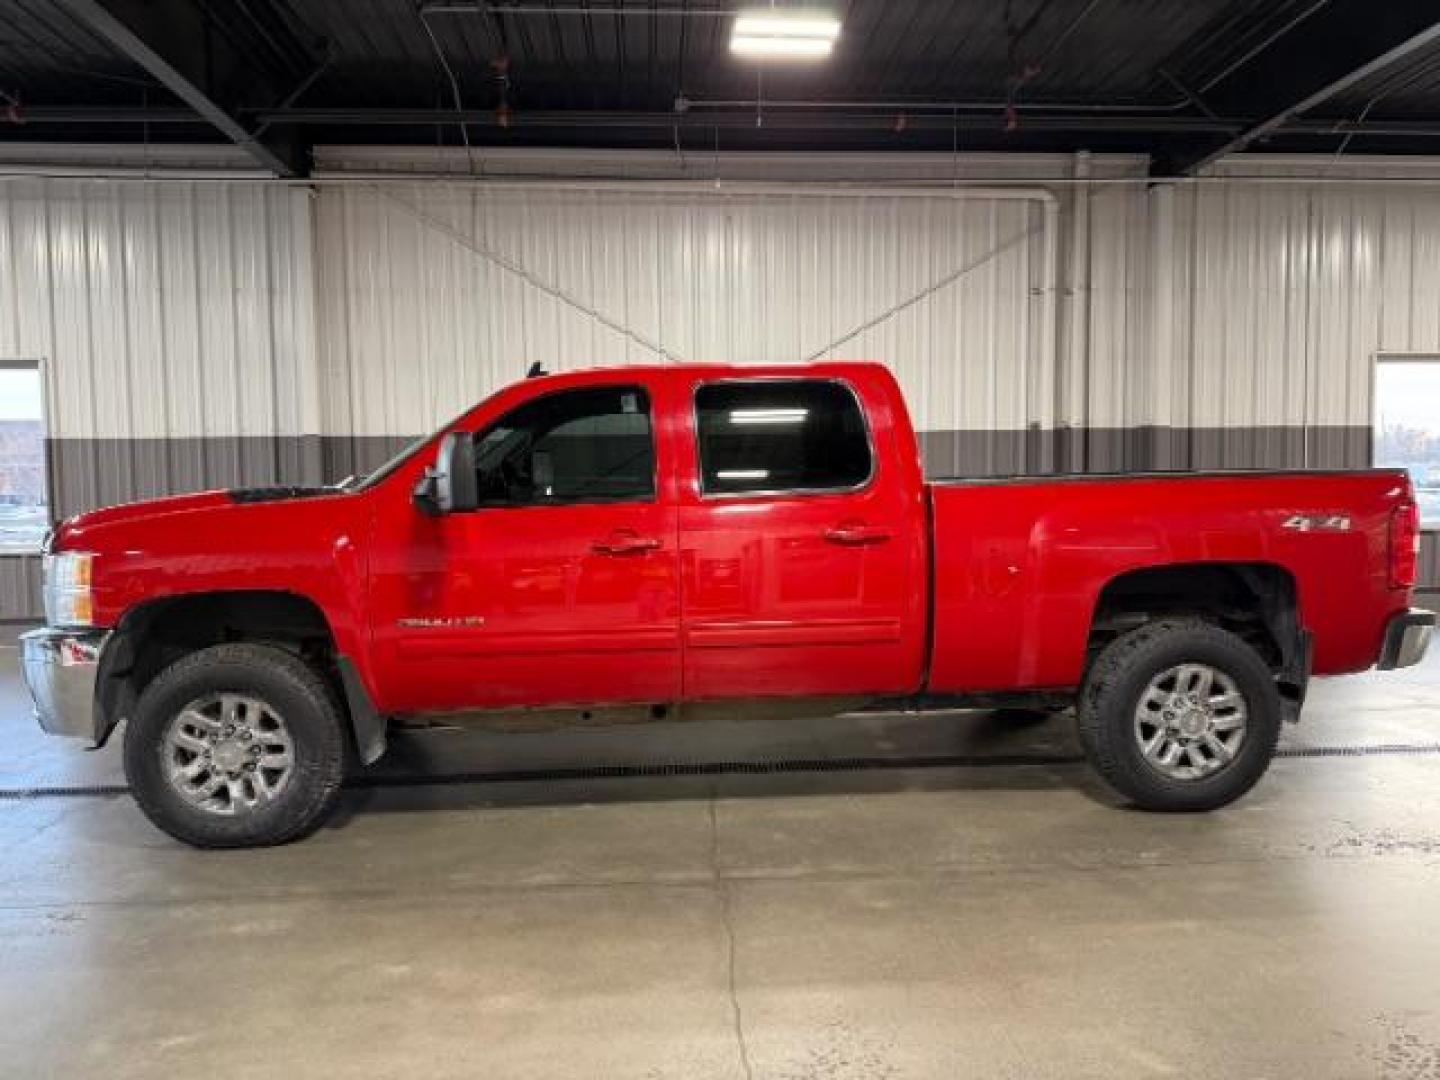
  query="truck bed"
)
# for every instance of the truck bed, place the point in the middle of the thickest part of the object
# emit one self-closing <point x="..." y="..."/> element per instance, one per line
<point x="1154" y="474"/>
<point x="1021" y="562"/>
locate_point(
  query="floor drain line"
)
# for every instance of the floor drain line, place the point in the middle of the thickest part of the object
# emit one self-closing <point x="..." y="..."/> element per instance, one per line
<point x="1382" y="750"/>
<point x="730" y="768"/>
<point x="81" y="791"/>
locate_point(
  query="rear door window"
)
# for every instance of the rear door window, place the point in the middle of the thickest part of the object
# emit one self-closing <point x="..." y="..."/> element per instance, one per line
<point x="782" y="436"/>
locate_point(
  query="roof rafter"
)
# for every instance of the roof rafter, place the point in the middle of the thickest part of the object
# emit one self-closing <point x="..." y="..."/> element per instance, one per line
<point x="171" y="41"/>
<point x="1344" y="44"/>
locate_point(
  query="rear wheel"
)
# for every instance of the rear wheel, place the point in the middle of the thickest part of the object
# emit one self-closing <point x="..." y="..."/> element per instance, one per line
<point x="1180" y="715"/>
<point x="236" y="746"/>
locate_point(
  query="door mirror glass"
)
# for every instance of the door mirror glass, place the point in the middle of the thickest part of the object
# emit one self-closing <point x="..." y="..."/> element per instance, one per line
<point x="449" y="485"/>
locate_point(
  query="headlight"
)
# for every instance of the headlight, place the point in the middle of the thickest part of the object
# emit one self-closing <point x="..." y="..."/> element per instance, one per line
<point x="68" y="599"/>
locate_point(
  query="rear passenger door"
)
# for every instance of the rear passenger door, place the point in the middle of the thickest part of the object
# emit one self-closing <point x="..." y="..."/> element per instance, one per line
<point x="800" y="574"/>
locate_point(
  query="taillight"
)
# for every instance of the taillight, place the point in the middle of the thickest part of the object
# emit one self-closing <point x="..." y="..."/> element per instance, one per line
<point x="1404" y="545"/>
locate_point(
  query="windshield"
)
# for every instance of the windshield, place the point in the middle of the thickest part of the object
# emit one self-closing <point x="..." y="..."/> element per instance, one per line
<point x="391" y="464"/>
<point x="394" y="462"/>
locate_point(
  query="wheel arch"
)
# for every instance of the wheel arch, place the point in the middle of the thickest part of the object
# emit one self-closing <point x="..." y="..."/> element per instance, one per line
<point x="1259" y="601"/>
<point x="153" y="634"/>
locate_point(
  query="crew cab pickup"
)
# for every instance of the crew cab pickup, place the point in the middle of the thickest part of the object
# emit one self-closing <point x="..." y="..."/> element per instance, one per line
<point x="664" y="542"/>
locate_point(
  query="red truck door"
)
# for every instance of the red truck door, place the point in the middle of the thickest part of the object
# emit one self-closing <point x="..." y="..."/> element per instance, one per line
<point x="802" y="544"/>
<point x="561" y="588"/>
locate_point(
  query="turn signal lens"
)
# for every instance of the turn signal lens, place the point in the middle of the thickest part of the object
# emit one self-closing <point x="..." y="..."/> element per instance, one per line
<point x="69" y="600"/>
<point x="1404" y="545"/>
<point x="82" y="609"/>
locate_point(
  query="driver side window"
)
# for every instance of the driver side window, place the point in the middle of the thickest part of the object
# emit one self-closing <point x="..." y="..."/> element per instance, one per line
<point x="592" y="445"/>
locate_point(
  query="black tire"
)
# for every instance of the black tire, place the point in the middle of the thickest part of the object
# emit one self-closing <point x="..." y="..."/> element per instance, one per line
<point x="1105" y="713"/>
<point x="282" y="681"/>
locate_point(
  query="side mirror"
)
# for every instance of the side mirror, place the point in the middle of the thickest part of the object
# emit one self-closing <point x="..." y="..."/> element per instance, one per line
<point x="449" y="485"/>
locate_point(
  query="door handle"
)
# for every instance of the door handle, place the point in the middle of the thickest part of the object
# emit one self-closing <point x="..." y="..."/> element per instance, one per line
<point x="625" y="542"/>
<point x="855" y="533"/>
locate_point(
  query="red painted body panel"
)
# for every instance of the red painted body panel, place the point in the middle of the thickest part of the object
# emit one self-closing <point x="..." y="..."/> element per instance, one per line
<point x="774" y="607"/>
<point x="1020" y="565"/>
<point x="744" y="596"/>
<point x="314" y="548"/>
<point x="551" y="621"/>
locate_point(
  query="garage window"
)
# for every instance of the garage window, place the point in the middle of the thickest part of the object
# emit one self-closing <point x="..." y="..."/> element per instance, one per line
<point x="1407" y="425"/>
<point x="24" y="513"/>
<point x="800" y="435"/>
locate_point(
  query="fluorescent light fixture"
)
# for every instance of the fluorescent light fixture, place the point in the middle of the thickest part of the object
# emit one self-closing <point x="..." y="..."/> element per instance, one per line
<point x="768" y="416"/>
<point x="770" y="33"/>
<point x="778" y="24"/>
<point x="797" y="48"/>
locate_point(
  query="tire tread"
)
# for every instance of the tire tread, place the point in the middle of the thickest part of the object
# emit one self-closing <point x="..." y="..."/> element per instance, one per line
<point x="1104" y="722"/>
<point x="325" y="766"/>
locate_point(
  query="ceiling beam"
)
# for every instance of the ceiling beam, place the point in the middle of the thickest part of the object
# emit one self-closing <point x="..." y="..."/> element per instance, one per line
<point x="171" y="41"/>
<point x="1345" y="43"/>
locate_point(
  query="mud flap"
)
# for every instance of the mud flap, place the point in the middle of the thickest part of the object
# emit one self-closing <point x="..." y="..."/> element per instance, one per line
<point x="1294" y="677"/>
<point x="366" y="722"/>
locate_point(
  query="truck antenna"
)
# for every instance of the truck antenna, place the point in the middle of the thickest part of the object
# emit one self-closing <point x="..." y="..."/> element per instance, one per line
<point x="536" y="370"/>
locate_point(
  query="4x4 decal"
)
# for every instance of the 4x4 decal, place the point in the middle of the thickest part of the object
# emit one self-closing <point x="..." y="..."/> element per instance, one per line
<point x="1317" y="523"/>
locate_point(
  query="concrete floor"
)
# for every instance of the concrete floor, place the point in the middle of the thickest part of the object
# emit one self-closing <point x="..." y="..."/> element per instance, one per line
<point x="1004" y="921"/>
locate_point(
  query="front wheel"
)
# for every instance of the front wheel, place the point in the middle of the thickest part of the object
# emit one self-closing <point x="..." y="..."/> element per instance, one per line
<point x="1179" y="715"/>
<point x="236" y="746"/>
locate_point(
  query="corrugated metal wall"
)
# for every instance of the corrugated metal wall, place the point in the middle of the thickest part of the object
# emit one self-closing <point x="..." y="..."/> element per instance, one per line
<point x="1283" y="294"/>
<point x="163" y="309"/>
<point x="193" y="340"/>
<point x="20" y="588"/>
<point x="177" y="325"/>
<point x="415" y="323"/>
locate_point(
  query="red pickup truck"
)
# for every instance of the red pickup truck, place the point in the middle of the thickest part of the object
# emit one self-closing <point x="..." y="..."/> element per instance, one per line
<point x="649" y="543"/>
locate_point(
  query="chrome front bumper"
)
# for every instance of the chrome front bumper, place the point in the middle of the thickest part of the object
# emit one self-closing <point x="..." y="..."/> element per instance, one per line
<point x="60" y="668"/>
<point x="1406" y="639"/>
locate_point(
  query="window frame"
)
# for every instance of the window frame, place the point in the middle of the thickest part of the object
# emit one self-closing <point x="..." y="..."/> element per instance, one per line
<point x="762" y="380"/>
<point x="1377" y="359"/>
<point x="41" y="367"/>
<point x="654" y="496"/>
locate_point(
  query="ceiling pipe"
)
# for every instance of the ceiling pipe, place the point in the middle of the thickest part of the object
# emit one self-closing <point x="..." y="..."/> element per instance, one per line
<point x="687" y="104"/>
<point x="1107" y="122"/>
<point x="64" y="114"/>
<point x="830" y="120"/>
<point x="1145" y="123"/>
<point x="988" y="187"/>
<point x="739" y="117"/>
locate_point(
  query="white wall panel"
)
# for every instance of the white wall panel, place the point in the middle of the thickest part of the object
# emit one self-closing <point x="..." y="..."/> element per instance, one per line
<point x="414" y="325"/>
<point x="186" y="309"/>
<point x="1117" y="359"/>
<point x="1287" y="291"/>
<point x="164" y="310"/>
